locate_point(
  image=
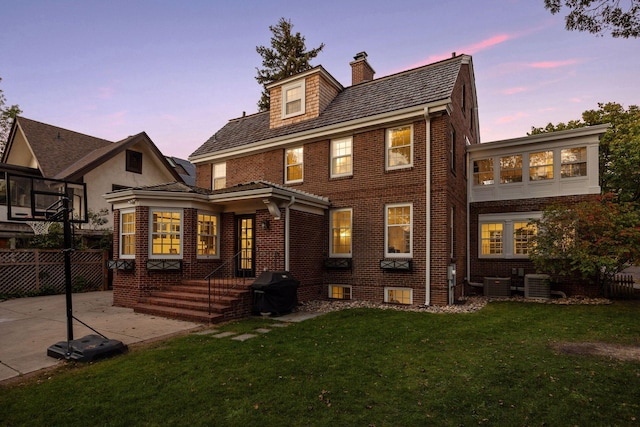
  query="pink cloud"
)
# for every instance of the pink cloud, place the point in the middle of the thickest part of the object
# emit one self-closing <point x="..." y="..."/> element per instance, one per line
<point x="511" y="118"/>
<point x="553" y="64"/>
<point x="470" y="49"/>
<point x="515" y="90"/>
<point x="105" y="92"/>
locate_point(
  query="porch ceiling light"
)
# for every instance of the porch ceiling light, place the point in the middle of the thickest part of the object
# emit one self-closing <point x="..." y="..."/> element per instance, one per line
<point x="274" y="210"/>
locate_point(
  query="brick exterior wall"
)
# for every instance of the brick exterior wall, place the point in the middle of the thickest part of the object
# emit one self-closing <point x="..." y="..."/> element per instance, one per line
<point x="366" y="192"/>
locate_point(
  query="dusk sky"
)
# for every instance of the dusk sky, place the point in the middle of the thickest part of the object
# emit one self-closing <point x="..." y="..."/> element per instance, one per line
<point x="179" y="70"/>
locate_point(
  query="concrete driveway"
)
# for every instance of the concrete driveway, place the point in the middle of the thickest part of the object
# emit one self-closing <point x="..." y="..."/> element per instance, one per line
<point x="28" y="326"/>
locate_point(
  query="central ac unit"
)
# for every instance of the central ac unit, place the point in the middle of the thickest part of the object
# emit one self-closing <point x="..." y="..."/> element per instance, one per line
<point x="537" y="286"/>
<point x="497" y="286"/>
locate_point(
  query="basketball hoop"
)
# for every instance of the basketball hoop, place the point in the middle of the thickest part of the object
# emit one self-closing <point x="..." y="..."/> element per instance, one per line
<point x="39" y="227"/>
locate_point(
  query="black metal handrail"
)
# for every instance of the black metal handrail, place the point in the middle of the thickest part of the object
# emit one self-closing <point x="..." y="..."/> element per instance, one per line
<point x="229" y="279"/>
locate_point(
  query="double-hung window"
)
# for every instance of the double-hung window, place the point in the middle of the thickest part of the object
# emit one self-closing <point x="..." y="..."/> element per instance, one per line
<point x="127" y="234"/>
<point x="492" y="239"/>
<point x="341" y="157"/>
<point x="508" y="235"/>
<point x="573" y="162"/>
<point x="399" y="230"/>
<point x="166" y="234"/>
<point x="399" y="147"/>
<point x="511" y="169"/>
<point x="541" y="165"/>
<point x="219" y="179"/>
<point x="294" y="167"/>
<point x="483" y="172"/>
<point x="207" y="235"/>
<point x="293" y="99"/>
<point x="341" y="226"/>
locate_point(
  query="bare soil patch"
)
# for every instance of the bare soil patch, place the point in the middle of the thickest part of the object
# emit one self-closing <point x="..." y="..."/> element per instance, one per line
<point x="627" y="353"/>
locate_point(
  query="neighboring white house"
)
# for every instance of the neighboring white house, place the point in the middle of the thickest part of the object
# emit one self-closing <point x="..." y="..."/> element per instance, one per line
<point x="43" y="150"/>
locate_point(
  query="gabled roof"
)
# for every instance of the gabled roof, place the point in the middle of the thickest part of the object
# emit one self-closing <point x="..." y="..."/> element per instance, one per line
<point x="101" y="155"/>
<point x="67" y="155"/>
<point x="419" y="86"/>
<point x="55" y="148"/>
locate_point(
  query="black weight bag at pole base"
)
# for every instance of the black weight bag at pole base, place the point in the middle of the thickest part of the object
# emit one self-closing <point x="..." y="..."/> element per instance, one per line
<point x="275" y="293"/>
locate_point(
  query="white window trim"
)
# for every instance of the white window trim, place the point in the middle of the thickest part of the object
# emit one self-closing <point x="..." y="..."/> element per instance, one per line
<point x="217" y="255"/>
<point x="387" y="147"/>
<point x="333" y="156"/>
<point x="339" y="286"/>
<point x="286" y="166"/>
<point x="299" y="83"/>
<point x="388" y="254"/>
<point x="396" y="288"/>
<point x="166" y="256"/>
<point x="214" y="176"/>
<point x="507" y="220"/>
<point x="334" y="255"/>
<point x="120" y="254"/>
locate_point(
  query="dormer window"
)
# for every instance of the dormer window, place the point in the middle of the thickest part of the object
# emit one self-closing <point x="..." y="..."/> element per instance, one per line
<point x="293" y="99"/>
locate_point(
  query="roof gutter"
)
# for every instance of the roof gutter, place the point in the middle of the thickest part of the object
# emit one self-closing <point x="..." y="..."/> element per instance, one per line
<point x="325" y="132"/>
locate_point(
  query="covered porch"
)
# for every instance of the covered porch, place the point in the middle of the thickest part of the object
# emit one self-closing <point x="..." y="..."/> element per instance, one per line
<point x="192" y="253"/>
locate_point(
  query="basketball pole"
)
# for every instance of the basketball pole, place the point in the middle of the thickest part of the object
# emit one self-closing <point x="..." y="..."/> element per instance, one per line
<point x="68" y="248"/>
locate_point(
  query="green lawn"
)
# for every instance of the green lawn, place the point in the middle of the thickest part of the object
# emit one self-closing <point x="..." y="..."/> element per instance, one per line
<point x="361" y="367"/>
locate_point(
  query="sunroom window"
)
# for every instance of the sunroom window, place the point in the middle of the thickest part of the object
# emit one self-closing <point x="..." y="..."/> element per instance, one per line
<point x="541" y="166"/>
<point x="573" y="162"/>
<point x="483" y="172"/>
<point x="127" y="234"/>
<point x="511" y="169"/>
<point x="207" y="235"/>
<point x="166" y="234"/>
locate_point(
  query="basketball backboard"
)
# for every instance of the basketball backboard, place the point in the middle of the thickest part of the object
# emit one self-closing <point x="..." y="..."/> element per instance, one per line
<point x="32" y="198"/>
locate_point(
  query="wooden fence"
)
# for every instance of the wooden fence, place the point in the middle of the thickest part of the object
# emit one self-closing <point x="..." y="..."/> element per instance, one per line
<point x="33" y="271"/>
<point x="622" y="287"/>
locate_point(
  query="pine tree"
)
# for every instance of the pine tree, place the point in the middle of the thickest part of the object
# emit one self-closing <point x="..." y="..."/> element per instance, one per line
<point x="286" y="56"/>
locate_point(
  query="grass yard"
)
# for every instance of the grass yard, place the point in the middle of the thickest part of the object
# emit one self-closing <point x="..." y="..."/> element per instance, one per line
<point x="359" y="367"/>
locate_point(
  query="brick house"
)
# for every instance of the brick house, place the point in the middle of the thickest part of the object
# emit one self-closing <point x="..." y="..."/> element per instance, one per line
<point x="333" y="179"/>
<point x="361" y="192"/>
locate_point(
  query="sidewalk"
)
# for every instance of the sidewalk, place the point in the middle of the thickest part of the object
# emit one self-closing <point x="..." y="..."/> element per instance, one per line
<point x="28" y="326"/>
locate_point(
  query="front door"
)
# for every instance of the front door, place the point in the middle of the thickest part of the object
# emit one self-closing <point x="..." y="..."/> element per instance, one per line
<point x="245" y="241"/>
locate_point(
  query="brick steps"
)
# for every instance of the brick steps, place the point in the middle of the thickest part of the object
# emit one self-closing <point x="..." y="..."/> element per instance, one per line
<point x="190" y="301"/>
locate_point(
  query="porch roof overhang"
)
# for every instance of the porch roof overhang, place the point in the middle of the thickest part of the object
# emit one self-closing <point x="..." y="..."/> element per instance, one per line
<point x="240" y="198"/>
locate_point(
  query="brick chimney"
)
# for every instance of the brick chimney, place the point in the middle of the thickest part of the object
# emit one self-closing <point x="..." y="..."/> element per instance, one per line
<point x="361" y="71"/>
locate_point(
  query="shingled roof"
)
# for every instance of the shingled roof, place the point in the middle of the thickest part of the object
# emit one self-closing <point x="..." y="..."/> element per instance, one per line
<point x="430" y="83"/>
<point x="56" y="148"/>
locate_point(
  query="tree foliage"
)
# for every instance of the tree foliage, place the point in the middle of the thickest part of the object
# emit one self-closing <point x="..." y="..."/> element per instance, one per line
<point x="287" y="56"/>
<point x="593" y="240"/>
<point x="619" y="147"/>
<point x="7" y="114"/>
<point x="599" y="16"/>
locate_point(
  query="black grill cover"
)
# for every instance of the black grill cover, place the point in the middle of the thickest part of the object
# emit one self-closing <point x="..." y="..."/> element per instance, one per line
<point x="275" y="292"/>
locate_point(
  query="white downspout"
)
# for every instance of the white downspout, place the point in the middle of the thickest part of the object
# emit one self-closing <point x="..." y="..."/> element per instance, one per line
<point x="287" y="224"/>
<point x="468" y="245"/>
<point x="427" y="289"/>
